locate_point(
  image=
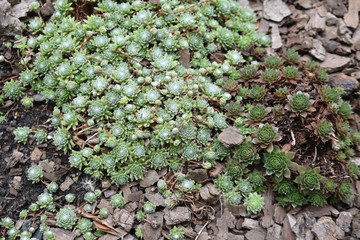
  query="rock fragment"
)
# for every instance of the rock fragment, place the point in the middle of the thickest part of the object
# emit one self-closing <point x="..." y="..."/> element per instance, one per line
<point x="334" y="62"/>
<point x="276" y="42"/>
<point x="344" y="221"/>
<point x="349" y="84"/>
<point x="317" y="20"/>
<point x="326" y="229"/>
<point x="177" y="215"/>
<point x="250" y="223"/>
<point x="273" y="232"/>
<point x="231" y="136"/>
<point x="279" y="214"/>
<point x="351" y="18"/>
<point x="258" y="234"/>
<point x="209" y="193"/>
<point x="124" y="219"/>
<point x="318" y="50"/>
<point x="150" y="178"/>
<point x="275" y="10"/>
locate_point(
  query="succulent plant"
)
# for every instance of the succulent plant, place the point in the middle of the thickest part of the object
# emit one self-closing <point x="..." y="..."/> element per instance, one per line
<point x="35" y="173"/>
<point x="40" y="136"/>
<point x="12" y="233"/>
<point x="53" y="187"/>
<point x="176" y="234"/>
<point x="309" y="179"/>
<point x="254" y="203"/>
<point x="247" y="153"/>
<point x="84" y="225"/>
<point x="117" y="201"/>
<point x="324" y="129"/>
<point x="44" y="200"/>
<point x="224" y="183"/>
<point x="273" y="62"/>
<point x="7" y="222"/>
<point x="22" y="134"/>
<point x="27" y="102"/>
<point x="300" y="102"/>
<point x="290" y="72"/>
<point x="13" y="90"/>
<point x="317" y="199"/>
<point x="65" y="218"/>
<point x="104" y="212"/>
<point x="344" y="191"/>
<point x="277" y="163"/>
<point x="69" y="197"/>
<point x="90" y="197"/>
<point x="148" y="207"/>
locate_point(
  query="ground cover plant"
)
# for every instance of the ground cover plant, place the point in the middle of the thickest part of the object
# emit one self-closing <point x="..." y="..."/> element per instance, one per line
<point x="140" y="86"/>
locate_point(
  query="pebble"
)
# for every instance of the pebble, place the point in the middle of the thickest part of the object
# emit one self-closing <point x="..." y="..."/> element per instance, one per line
<point x="344" y="221"/>
<point x="351" y="18"/>
<point x="334" y="62"/>
<point x="151" y="177"/>
<point x="258" y="234"/>
<point x="250" y="223"/>
<point x="279" y="214"/>
<point x="273" y="232"/>
<point x="318" y="50"/>
<point x="326" y="229"/>
<point x="231" y="136"/>
<point x="275" y="10"/>
<point x="275" y="37"/>
<point x="342" y="80"/>
<point x="177" y="215"/>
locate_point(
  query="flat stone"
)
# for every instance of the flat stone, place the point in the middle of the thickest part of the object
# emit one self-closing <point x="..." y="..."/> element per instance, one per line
<point x="243" y="3"/>
<point x="307" y="4"/>
<point x="184" y="59"/>
<point x="336" y="7"/>
<point x="250" y="223"/>
<point x="231" y="136"/>
<point x="299" y="227"/>
<point x="214" y="172"/>
<point x="177" y="215"/>
<point x="123" y="218"/>
<point x="209" y="193"/>
<point x="66" y="184"/>
<point x="331" y="32"/>
<point x="318" y="50"/>
<point x="334" y="62"/>
<point x="349" y="84"/>
<point x="273" y="232"/>
<point x="21" y="9"/>
<point x="62" y="234"/>
<point x="47" y="9"/>
<point x="286" y="232"/>
<point x="276" y="42"/>
<point x="238" y="210"/>
<point x="155" y="198"/>
<point x="317" y="20"/>
<point x="109" y="193"/>
<point x="268" y="210"/>
<point x="151" y="177"/>
<point x="279" y="214"/>
<point x="199" y="175"/>
<point x="105" y="204"/>
<point x="258" y="234"/>
<point x="353" y="211"/>
<point x="226" y="221"/>
<point x="38" y="98"/>
<point x="263" y="26"/>
<point x="326" y="229"/>
<point x="355" y="228"/>
<point x="351" y="18"/>
<point x="355" y="41"/>
<point x="344" y="221"/>
<point x="275" y="10"/>
<point x="36" y="155"/>
<point x="356" y="160"/>
<point x="331" y="19"/>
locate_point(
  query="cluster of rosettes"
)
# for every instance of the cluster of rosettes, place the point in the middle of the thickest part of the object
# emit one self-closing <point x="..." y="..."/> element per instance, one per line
<point x="141" y="86"/>
<point x="282" y="91"/>
<point x="118" y="78"/>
